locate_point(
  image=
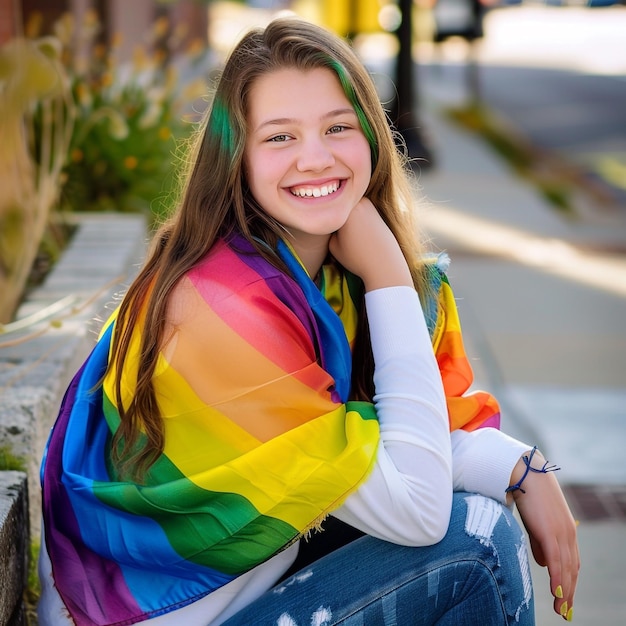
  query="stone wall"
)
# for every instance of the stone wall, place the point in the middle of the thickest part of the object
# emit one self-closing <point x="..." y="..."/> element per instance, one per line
<point x="14" y="543"/>
<point x="55" y="329"/>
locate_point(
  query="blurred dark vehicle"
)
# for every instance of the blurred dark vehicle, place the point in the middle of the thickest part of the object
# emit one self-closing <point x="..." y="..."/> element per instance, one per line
<point x="458" y="18"/>
<point x="604" y="3"/>
<point x="584" y="3"/>
<point x="464" y="18"/>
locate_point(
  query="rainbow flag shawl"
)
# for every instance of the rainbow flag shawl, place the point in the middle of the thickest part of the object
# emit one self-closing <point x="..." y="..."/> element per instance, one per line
<point x="262" y="441"/>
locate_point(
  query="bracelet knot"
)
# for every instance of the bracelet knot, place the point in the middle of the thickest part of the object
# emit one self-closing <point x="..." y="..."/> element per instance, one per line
<point x="527" y="458"/>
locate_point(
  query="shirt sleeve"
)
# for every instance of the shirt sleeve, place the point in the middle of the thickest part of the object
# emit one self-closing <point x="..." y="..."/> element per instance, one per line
<point x="483" y="461"/>
<point x="408" y="495"/>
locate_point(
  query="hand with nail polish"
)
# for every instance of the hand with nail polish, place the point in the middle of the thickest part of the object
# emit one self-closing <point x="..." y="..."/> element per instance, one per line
<point x="552" y="532"/>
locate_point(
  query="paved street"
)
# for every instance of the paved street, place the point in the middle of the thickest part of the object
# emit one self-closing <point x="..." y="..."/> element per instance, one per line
<point x="550" y="347"/>
<point x="543" y="301"/>
<point x="558" y="74"/>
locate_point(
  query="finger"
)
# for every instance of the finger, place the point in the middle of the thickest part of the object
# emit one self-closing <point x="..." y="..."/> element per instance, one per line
<point x="563" y="568"/>
<point x="570" y="563"/>
<point x="573" y="570"/>
<point x="559" y="578"/>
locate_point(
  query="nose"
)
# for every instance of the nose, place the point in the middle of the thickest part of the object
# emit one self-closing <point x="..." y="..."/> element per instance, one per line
<point x="315" y="156"/>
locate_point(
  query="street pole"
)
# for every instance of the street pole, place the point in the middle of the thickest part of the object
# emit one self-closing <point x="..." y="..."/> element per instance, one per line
<point x="406" y="101"/>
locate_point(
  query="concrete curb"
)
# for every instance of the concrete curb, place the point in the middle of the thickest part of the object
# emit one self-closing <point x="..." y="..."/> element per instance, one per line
<point x="14" y="546"/>
<point x="38" y="361"/>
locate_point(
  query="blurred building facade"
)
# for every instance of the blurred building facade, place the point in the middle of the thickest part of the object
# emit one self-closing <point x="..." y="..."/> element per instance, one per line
<point x="9" y="19"/>
<point x="127" y="22"/>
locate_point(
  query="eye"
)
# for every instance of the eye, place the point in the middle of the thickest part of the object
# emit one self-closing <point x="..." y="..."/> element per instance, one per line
<point x="279" y="138"/>
<point x="337" y="128"/>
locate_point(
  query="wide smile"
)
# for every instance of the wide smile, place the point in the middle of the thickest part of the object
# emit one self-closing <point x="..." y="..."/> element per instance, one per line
<point x="313" y="191"/>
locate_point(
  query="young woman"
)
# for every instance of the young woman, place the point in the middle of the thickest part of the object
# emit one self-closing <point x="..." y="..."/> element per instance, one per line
<point x="289" y="361"/>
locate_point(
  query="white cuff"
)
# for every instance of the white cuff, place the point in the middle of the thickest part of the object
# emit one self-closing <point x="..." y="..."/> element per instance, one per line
<point x="483" y="461"/>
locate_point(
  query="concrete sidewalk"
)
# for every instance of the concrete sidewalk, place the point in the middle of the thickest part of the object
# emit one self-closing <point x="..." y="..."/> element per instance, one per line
<point x="543" y="309"/>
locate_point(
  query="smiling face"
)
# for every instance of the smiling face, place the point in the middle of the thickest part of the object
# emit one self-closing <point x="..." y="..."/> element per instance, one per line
<point x="307" y="160"/>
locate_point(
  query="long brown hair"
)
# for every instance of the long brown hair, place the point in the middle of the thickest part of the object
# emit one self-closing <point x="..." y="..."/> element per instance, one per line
<point x="216" y="202"/>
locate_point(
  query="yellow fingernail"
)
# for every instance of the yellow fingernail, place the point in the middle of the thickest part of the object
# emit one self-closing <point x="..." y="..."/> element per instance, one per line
<point x="563" y="609"/>
<point x="570" y="614"/>
<point x="558" y="592"/>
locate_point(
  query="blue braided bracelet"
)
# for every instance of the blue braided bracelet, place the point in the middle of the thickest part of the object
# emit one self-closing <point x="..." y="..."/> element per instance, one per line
<point x="527" y="459"/>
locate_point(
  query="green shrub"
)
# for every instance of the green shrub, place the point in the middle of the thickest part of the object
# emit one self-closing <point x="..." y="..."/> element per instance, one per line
<point x="33" y="587"/>
<point x="10" y="462"/>
<point x="128" y="120"/>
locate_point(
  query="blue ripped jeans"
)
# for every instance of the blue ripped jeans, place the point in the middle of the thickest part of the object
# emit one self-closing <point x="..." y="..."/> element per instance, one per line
<point x="478" y="574"/>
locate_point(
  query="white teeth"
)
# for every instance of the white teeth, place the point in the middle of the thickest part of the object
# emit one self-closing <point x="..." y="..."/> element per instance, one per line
<point x="315" y="192"/>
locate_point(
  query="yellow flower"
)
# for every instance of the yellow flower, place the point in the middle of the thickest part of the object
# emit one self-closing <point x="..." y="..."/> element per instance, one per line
<point x="171" y="78"/>
<point x="179" y="34"/>
<point x="99" y="51"/>
<point x="91" y="18"/>
<point x="83" y="95"/>
<point x="90" y="26"/>
<point x="64" y="28"/>
<point x="160" y="56"/>
<point x="164" y="133"/>
<point x="140" y="58"/>
<point x="160" y="27"/>
<point x="106" y="79"/>
<point x="130" y="162"/>
<point x="196" y="47"/>
<point x="32" y="28"/>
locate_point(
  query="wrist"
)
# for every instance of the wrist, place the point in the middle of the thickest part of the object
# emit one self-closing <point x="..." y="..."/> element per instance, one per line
<point x="520" y="466"/>
<point x="387" y="275"/>
<point x="383" y="282"/>
<point x="530" y="463"/>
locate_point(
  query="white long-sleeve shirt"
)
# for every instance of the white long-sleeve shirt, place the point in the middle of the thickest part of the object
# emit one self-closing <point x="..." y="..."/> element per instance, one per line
<point x="407" y="497"/>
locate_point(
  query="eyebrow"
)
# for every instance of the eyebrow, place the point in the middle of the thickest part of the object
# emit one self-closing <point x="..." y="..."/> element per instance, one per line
<point x="279" y="121"/>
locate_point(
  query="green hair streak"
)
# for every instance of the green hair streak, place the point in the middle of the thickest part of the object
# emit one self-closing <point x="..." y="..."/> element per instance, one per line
<point x="222" y="128"/>
<point x="358" y="109"/>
